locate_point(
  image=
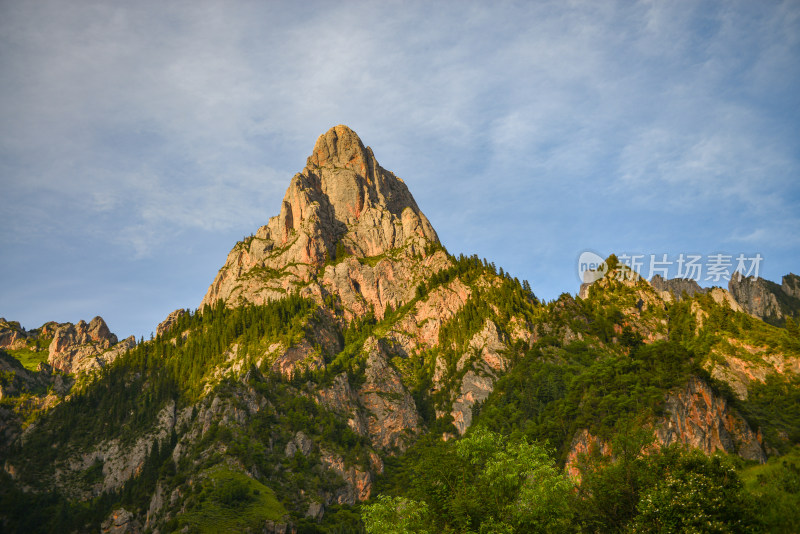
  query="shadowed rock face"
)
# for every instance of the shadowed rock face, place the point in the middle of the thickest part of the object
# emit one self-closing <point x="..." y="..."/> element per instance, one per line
<point x="486" y="363"/>
<point x="676" y="286"/>
<point x="790" y="284"/>
<point x="755" y="296"/>
<point x="391" y="415"/>
<point x="767" y="300"/>
<point x="342" y="197"/>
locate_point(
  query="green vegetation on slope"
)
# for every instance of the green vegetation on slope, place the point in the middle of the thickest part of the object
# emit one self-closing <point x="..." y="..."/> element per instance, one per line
<point x="554" y="391"/>
<point x="123" y="400"/>
<point x="482" y="483"/>
<point x="228" y="501"/>
<point x="589" y="369"/>
<point x="775" y="487"/>
<point x="30" y="359"/>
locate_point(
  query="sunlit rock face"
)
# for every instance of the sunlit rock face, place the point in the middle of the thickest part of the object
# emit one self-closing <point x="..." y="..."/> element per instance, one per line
<point x="344" y="201"/>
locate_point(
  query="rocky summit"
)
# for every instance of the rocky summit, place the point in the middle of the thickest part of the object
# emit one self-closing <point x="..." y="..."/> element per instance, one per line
<point x="345" y="373"/>
<point x="342" y="203"/>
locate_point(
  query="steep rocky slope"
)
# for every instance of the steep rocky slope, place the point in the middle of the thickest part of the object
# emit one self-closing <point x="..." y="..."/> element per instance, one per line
<point x="765" y="299"/>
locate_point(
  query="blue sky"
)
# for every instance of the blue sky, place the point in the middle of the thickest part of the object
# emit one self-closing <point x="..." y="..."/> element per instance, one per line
<point x="140" y="140"/>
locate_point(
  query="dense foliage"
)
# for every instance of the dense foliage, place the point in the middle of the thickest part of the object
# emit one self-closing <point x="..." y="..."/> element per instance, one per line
<point x="486" y="482"/>
<point x="482" y="483"/>
<point x="554" y="391"/>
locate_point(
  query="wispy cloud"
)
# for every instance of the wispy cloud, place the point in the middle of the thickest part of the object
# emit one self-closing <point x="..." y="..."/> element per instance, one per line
<point x="518" y="126"/>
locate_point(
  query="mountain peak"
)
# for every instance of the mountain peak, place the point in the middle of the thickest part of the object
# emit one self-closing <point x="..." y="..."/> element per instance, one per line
<point x="343" y="200"/>
<point x="340" y="147"/>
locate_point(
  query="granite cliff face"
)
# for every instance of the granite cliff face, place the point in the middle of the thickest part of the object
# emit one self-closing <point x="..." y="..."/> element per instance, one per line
<point x="70" y="348"/>
<point x="695" y="416"/>
<point x="14" y="337"/>
<point x="756" y="296"/>
<point x="790" y="284"/>
<point x="73" y="344"/>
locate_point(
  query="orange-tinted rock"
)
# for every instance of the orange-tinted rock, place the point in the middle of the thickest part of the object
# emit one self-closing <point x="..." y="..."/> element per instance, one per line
<point x="584" y="444"/>
<point x="82" y="346"/>
<point x="297" y="359"/>
<point x="342" y="196"/>
<point x="391" y="415"/>
<point x="697" y="417"/>
<point x="358" y="482"/>
<point x="486" y="363"/>
<point x="171" y="319"/>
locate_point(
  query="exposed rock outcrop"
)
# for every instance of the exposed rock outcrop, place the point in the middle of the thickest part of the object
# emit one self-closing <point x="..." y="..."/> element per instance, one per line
<point x="697" y="417"/>
<point x="78" y="347"/>
<point x="299" y="443"/>
<point x="584" y="444"/>
<point x="156" y="504"/>
<point x="790" y="284"/>
<point x="171" y="319"/>
<point x="120" y="521"/>
<point x="676" y="287"/>
<point x="720" y="296"/>
<point x="12" y="335"/>
<point x="739" y="364"/>
<point x="119" y="460"/>
<point x="756" y="296"/>
<point x="391" y="415"/>
<point x="339" y="397"/>
<point x="315" y="510"/>
<point x="485" y="360"/>
<point x="419" y="329"/>
<point x="341" y="202"/>
<point x="767" y="300"/>
<point x="358" y="483"/>
<point x="297" y="359"/>
<point x="392" y="281"/>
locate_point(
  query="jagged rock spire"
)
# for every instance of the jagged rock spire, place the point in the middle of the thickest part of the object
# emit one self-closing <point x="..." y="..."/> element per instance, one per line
<point x="343" y="199"/>
<point x="341" y="147"/>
